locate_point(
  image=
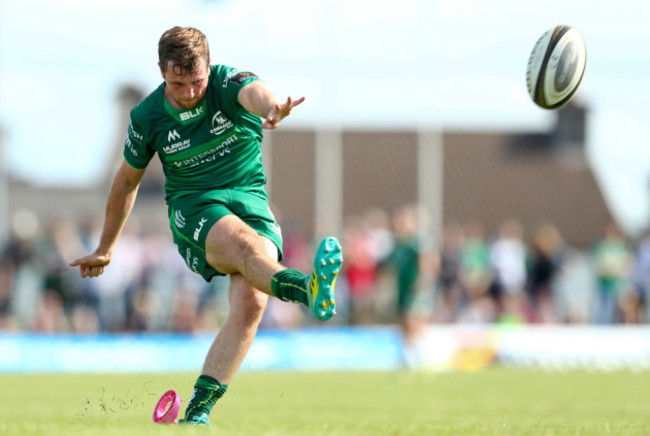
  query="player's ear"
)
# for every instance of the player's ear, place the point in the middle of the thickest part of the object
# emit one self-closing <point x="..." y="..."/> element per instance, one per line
<point x="162" y="73"/>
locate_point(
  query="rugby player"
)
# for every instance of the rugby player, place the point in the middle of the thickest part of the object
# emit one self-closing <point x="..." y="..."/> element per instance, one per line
<point x="205" y="124"/>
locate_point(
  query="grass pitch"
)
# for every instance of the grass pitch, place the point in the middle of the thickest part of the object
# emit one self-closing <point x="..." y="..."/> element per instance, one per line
<point x="491" y="402"/>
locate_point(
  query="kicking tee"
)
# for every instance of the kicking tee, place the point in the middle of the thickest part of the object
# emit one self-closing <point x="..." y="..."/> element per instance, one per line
<point x="216" y="145"/>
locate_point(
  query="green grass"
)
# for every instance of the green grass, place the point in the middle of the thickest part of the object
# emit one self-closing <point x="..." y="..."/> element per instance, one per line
<point x="491" y="402"/>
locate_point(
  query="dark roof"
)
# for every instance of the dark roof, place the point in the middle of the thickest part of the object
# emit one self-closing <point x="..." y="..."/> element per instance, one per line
<point x="490" y="177"/>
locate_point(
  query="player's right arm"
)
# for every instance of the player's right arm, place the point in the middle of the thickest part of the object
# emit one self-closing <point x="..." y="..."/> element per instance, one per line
<point x="257" y="98"/>
<point x="118" y="207"/>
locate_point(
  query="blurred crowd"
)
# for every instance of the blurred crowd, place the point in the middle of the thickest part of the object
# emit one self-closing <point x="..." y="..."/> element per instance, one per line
<point x="393" y="271"/>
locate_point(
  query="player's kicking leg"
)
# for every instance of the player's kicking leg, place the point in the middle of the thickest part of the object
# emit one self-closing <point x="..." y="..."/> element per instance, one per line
<point x="234" y="247"/>
<point x="251" y="263"/>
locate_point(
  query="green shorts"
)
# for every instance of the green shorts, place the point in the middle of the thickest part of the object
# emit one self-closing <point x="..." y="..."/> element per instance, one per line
<point x="191" y="216"/>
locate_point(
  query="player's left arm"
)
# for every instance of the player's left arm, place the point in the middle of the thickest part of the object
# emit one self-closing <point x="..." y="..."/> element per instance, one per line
<point x="257" y="98"/>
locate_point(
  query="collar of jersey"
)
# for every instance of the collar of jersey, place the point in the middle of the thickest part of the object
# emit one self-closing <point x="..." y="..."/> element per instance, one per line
<point x="185" y="116"/>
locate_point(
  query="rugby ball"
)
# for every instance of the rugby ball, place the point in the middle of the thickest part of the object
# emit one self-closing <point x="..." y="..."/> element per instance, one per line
<point x="556" y="67"/>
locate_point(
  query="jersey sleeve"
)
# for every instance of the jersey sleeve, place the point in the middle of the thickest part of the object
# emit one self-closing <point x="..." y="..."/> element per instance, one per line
<point x="232" y="82"/>
<point x="137" y="151"/>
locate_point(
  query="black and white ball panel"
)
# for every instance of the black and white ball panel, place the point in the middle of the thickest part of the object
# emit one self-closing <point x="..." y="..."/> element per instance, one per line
<point x="556" y="67"/>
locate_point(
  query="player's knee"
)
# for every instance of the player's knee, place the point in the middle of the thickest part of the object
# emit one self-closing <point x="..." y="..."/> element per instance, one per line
<point x="256" y="302"/>
<point x="251" y="306"/>
<point x="245" y="300"/>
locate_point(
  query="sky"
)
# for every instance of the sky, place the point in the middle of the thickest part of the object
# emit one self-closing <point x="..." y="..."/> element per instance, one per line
<point x="443" y="64"/>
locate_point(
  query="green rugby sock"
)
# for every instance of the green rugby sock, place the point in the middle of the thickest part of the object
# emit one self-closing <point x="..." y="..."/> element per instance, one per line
<point x="207" y="390"/>
<point x="290" y="285"/>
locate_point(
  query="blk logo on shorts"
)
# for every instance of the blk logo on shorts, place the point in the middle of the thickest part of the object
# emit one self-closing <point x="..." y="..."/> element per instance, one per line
<point x="197" y="231"/>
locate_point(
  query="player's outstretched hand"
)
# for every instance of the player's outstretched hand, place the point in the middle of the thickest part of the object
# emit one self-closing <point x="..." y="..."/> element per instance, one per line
<point x="91" y="265"/>
<point x="279" y="112"/>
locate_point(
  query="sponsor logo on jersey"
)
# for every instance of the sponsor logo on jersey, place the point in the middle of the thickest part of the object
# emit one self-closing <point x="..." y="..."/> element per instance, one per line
<point x="173" y="136"/>
<point x="229" y="76"/>
<point x="191" y="261"/>
<point x="220" y="123"/>
<point x="191" y="113"/>
<point x="188" y="257"/>
<point x="208" y="156"/>
<point x="239" y="78"/>
<point x="176" y="147"/>
<point x="197" y="231"/>
<point x="130" y="146"/>
<point x="136" y="135"/>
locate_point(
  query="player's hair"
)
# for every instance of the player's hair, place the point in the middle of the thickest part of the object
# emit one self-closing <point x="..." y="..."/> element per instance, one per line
<point x="184" y="46"/>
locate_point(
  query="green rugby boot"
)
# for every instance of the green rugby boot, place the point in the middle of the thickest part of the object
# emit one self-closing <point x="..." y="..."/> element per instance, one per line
<point x="320" y="284"/>
<point x="200" y="420"/>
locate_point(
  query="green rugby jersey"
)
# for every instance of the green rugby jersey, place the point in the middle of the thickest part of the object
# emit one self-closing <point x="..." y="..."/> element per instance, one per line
<point x="216" y="145"/>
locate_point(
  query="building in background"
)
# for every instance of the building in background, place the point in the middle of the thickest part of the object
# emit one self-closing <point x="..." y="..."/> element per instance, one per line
<point x="484" y="177"/>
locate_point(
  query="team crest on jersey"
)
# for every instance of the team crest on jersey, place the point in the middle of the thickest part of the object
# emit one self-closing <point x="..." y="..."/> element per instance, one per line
<point x="220" y="124"/>
<point x="179" y="219"/>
